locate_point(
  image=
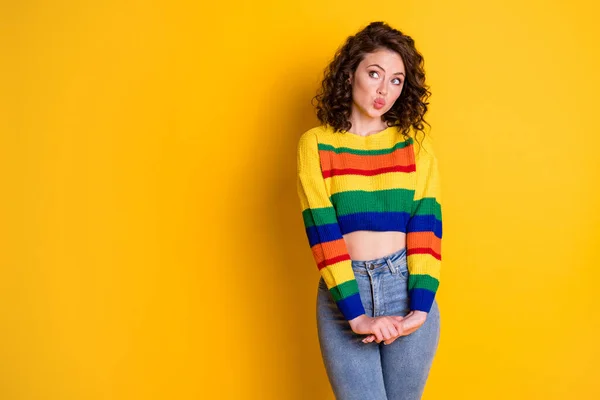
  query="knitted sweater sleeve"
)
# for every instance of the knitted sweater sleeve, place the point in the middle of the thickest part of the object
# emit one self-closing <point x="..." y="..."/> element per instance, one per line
<point x="323" y="231"/>
<point x="424" y="230"/>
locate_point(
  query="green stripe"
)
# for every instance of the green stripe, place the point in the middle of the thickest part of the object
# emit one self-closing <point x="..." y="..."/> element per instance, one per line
<point x="344" y="290"/>
<point x="428" y="206"/>
<point x="422" y="281"/>
<point x="338" y="150"/>
<point x="319" y="216"/>
<point x="389" y="200"/>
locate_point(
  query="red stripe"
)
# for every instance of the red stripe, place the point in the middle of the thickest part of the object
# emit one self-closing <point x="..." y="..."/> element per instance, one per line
<point x="353" y="171"/>
<point x="333" y="260"/>
<point x="423" y="250"/>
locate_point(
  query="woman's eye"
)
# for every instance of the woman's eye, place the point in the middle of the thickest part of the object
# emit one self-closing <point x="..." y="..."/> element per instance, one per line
<point x="374" y="72"/>
<point x="397" y="81"/>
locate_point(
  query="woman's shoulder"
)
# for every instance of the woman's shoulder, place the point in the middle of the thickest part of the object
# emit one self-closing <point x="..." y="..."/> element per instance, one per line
<point x="423" y="143"/>
<point x="314" y="135"/>
<point x="317" y="131"/>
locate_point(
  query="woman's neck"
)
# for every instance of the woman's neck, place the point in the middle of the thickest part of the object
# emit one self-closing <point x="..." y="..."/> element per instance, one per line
<point x="365" y="127"/>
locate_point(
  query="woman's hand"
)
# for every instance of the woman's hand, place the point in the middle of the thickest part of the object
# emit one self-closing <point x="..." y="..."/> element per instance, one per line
<point x="410" y="323"/>
<point x="382" y="328"/>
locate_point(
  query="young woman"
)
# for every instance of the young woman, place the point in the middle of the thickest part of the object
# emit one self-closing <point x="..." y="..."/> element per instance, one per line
<point x="371" y="205"/>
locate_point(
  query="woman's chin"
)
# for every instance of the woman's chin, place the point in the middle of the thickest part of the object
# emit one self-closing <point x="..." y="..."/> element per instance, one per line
<point x="374" y="113"/>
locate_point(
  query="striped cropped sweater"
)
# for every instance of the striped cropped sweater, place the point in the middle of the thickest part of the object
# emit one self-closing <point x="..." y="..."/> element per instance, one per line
<point x="380" y="182"/>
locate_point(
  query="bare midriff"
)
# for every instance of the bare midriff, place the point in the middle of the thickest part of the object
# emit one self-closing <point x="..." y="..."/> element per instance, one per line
<point x="369" y="245"/>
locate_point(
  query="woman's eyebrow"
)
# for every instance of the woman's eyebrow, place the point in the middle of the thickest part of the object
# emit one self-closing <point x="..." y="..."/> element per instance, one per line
<point x="379" y="66"/>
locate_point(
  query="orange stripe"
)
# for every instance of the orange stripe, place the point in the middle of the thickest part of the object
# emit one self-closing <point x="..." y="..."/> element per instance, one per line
<point x="399" y="157"/>
<point x="416" y="240"/>
<point x="335" y="260"/>
<point x="329" y="250"/>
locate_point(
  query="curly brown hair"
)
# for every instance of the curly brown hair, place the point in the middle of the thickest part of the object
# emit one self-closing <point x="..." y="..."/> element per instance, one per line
<point x="334" y="98"/>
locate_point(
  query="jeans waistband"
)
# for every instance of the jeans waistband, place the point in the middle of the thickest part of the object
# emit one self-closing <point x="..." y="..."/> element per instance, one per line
<point x="390" y="258"/>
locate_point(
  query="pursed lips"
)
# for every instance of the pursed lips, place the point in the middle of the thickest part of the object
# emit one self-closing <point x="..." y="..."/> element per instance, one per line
<point x="379" y="102"/>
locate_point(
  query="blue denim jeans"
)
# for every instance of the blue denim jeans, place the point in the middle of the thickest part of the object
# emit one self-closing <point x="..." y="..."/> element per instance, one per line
<point x="375" y="371"/>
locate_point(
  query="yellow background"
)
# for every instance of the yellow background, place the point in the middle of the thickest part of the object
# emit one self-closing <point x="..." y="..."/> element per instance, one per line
<point x="152" y="244"/>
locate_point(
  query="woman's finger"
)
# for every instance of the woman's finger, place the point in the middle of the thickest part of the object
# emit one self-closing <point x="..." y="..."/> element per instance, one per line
<point x="369" y="339"/>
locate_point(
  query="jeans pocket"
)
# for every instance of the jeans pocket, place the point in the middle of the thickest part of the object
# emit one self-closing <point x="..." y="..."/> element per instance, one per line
<point x="403" y="272"/>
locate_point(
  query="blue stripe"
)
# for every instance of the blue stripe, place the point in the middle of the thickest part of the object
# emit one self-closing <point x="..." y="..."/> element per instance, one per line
<point x="351" y="307"/>
<point x="421" y="299"/>
<point x="425" y="223"/>
<point x="374" y="221"/>
<point x="323" y="233"/>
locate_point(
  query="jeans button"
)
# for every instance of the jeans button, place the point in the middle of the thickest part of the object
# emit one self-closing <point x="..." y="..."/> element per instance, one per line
<point x="371" y="267"/>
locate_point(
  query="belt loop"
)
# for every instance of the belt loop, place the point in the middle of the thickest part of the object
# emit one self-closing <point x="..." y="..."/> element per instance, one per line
<point x="392" y="267"/>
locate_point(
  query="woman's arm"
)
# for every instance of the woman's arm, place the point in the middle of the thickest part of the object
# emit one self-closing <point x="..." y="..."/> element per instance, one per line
<point x="424" y="230"/>
<point x="323" y="231"/>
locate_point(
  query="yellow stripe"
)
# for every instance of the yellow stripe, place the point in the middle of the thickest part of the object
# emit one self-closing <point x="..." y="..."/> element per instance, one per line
<point x="388" y="180"/>
<point x="310" y="184"/>
<point x="373" y="142"/>
<point x="338" y="273"/>
<point x="424" y="264"/>
<point x="312" y="193"/>
<point x="428" y="184"/>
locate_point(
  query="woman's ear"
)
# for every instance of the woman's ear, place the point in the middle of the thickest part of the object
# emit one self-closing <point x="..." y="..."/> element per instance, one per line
<point x="350" y="79"/>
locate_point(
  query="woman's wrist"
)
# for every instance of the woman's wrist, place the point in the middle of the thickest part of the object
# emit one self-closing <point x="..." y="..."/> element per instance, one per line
<point x="354" y="322"/>
<point x="419" y="314"/>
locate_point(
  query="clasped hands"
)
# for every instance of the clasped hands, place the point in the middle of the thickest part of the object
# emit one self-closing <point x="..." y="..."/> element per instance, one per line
<point x="387" y="328"/>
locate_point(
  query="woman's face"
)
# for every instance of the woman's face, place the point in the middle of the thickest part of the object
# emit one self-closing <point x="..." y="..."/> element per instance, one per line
<point x="377" y="83"/>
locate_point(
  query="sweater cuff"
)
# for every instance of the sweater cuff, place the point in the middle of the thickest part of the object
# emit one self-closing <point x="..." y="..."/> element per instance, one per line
<point x="421" y="299"/>
<point x="351" y="306"/>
